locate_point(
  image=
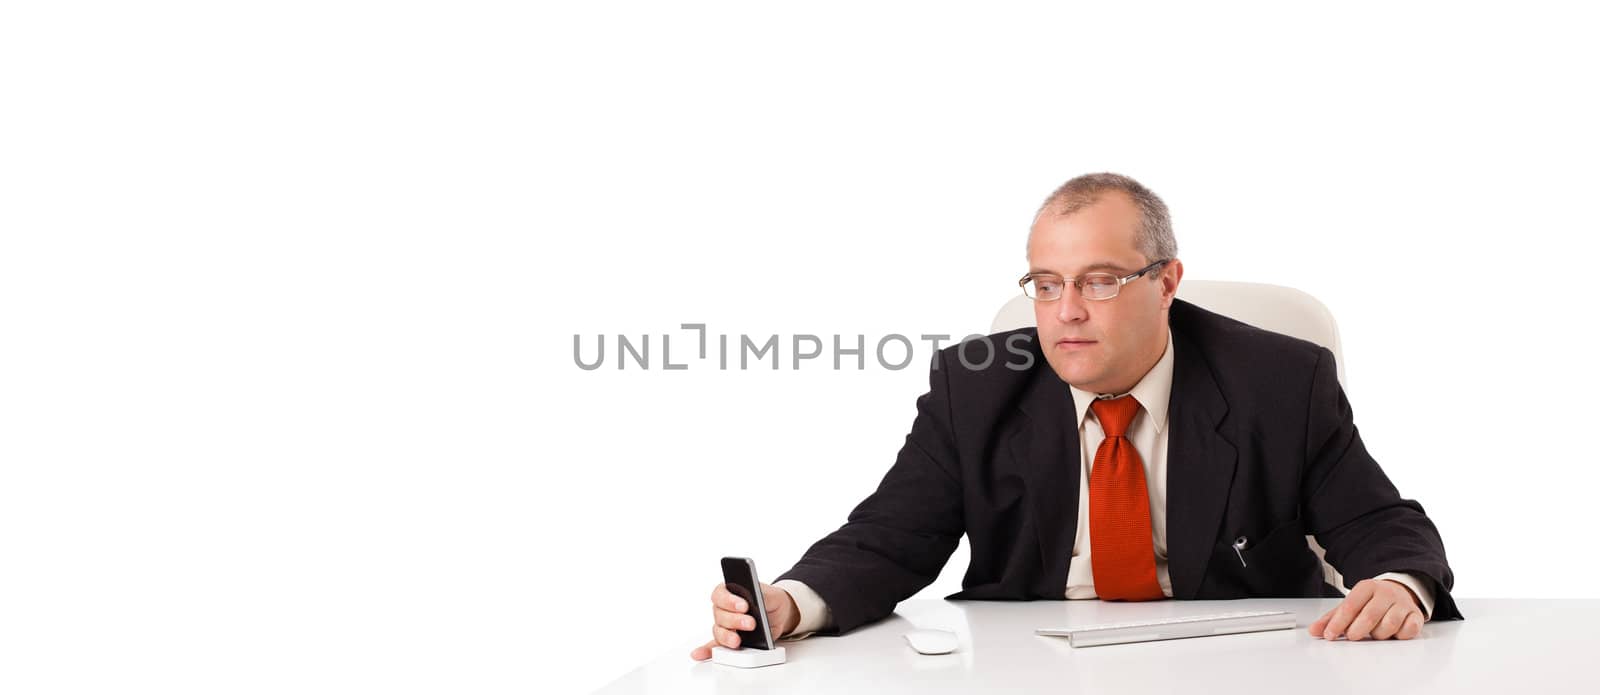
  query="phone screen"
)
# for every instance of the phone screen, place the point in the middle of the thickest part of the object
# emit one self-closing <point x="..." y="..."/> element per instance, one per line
<point x="739" y="573"/>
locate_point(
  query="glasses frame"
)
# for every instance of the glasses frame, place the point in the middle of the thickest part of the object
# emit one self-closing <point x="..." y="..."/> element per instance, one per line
<point x="1077" y="282"/>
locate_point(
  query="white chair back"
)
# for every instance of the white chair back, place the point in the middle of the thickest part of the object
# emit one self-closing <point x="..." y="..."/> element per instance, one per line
<point x="1279" y="309"/>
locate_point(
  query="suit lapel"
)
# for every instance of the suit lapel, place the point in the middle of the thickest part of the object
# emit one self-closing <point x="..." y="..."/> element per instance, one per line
<point x="1047" y="447"/>
<point x="1200" y="463"/>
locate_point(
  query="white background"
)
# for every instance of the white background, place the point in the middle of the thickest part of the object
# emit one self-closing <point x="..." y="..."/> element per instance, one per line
<point x="288" y="294"/>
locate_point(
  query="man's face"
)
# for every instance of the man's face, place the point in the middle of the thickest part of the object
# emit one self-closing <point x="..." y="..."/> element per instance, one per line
<point x="1100" y="346"/>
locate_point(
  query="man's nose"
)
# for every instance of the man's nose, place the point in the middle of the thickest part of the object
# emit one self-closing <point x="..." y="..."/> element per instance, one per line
<point x="1071" y="306"/>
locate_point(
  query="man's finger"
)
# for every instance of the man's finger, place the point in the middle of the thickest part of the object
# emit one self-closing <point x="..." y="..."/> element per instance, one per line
<point x="1361" y="627"/>
<point x="724" y="599"/>
<point x="732" y="620"/>
<point x="1413" y="626"/>
<point x="1390" y="625"/>
<point x="1340" y="619"/>
<point x="725" y="637"/>
<point x="1348" y="610"/>
<point x="1363" y="590"/>
<point x="1321" y="624"/>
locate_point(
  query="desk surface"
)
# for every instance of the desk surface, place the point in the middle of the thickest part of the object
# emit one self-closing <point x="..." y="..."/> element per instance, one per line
<point x="1504" y="646"/>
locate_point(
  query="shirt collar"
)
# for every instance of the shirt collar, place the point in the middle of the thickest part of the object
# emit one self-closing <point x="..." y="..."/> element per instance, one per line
<point x="1153" y="392"/>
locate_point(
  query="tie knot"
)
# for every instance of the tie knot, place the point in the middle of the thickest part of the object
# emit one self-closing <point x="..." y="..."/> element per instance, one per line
<point x="1115" y="414"/>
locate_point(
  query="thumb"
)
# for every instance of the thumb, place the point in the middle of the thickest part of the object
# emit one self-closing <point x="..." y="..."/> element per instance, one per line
<point x="772" y="594"/>
<point x="778" y="601"/>
<point x="780" y="609"/>
<point x="702" y="652"/>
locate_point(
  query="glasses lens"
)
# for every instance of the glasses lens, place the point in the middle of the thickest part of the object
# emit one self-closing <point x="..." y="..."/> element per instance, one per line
<point x="1100" y="286"/>
<point x="1044" y="287"/>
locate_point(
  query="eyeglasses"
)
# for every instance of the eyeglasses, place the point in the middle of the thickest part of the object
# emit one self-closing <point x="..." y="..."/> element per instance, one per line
<point x="1047" y="287"/>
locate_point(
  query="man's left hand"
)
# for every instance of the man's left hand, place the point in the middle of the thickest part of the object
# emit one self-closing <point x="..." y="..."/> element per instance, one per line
<point x="1375" y="608"/>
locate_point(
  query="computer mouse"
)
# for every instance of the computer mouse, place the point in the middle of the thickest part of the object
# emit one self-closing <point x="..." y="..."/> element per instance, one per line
<point x="932" y="641"/>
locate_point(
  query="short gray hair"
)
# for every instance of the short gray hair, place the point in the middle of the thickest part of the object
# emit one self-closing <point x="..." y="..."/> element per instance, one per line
<point x="1154" y="238"/>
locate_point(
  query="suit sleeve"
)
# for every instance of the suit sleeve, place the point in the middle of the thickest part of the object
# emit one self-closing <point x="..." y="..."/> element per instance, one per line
<point x="1353" y="509"/>
<point x="897" y="540"/>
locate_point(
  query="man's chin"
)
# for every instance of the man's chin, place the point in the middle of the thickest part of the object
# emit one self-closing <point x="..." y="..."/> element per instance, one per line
<point x="1073" y="371"/>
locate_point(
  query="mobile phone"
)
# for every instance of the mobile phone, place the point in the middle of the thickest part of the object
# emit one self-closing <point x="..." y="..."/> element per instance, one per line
<point x="739" y="574"/>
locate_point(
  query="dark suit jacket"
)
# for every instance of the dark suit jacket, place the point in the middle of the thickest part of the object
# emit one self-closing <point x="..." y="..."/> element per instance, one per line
<point x="1262" y="445"/>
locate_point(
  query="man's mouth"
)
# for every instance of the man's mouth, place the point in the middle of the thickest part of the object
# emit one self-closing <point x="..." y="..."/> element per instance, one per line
<point x="1074" y="343"/>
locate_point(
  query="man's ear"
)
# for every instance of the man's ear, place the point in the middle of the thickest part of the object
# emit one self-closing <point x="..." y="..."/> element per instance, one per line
<point x="1171" y="275"/>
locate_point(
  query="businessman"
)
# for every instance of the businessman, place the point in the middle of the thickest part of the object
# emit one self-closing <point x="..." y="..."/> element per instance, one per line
<point x="1150" y="450"/>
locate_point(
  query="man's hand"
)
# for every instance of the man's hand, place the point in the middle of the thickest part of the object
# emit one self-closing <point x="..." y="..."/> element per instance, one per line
<point x="728" y="617"/>
<point x="1379" y="609"/>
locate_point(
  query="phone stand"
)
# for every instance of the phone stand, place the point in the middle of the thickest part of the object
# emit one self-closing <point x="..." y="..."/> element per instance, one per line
<point x="748" y="658"/>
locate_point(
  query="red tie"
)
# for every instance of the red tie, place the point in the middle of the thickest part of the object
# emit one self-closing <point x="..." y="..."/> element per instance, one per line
<point x="1122" y="551"/>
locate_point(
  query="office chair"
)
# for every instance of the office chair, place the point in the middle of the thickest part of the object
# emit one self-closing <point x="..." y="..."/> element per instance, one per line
<point x="1279" y="309"/>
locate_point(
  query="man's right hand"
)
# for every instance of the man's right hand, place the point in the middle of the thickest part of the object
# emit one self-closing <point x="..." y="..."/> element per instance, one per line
<point x="728" y="618"/>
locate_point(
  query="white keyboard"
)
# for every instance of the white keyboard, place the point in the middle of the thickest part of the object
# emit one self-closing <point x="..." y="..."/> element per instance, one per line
<point x="1177" y="627"/>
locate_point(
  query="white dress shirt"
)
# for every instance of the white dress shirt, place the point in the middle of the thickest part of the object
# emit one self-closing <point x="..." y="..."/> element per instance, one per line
<point x="1149" y="433"/>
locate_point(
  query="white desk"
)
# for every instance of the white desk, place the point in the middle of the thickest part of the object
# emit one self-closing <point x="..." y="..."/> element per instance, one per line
<point x="1518" y="646"/>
